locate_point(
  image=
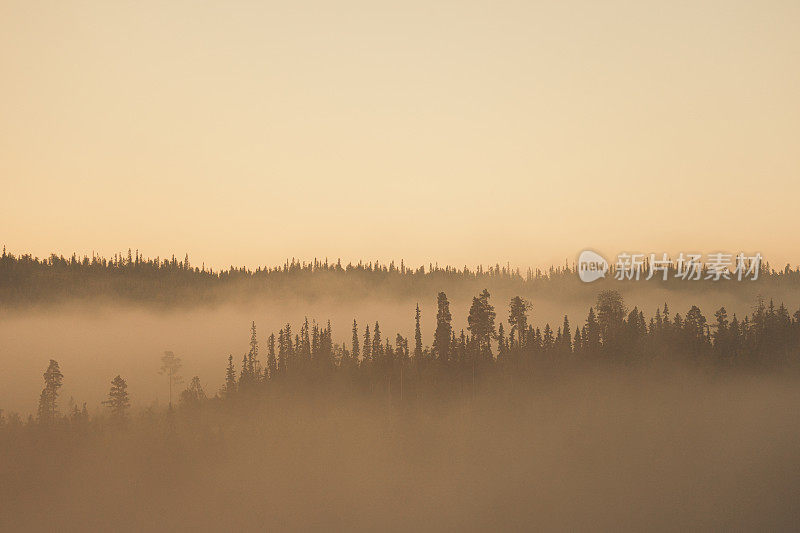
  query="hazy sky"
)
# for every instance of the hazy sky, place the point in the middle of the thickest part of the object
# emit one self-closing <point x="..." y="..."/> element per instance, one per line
<point x="458" y="132"/>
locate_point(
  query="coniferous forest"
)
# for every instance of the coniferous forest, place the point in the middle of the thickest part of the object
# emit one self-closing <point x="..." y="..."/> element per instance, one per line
<point x="349" y="418"/>
<point x="130" y="277"/>
<point x="399" y="266"/>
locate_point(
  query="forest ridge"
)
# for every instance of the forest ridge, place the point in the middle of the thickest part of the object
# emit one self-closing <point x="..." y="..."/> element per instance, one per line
<point x="25" y="279"/>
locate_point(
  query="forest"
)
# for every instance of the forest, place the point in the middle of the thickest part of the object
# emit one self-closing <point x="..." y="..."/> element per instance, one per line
<point x="498" y="345"/>
<point x="488" y="353"/>
<point x="26" y="280"/>
<point x="305" y="405"/>
<point x="399" y="266"/>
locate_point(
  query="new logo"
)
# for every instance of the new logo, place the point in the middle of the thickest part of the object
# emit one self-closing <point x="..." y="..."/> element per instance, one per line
<point x="591" y="266"/>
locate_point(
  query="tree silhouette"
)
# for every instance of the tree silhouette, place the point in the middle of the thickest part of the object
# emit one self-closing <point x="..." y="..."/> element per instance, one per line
<point x="170" y="366"/>
<point x="193" y="395"/>
<point x="518" y="318"/>
<point x="610" y="315"/>
<point x="118" y="402"/>
<point x="48" y="400"/>
<point x="271" y="370"/>
<point x="377" y="347"/>
<point x="229" y="388"/>
<point x="356" y="349"/>
<point x="566" y="336"/>
<point x="441" y="337"/>
<point x="315" y="365"/>
<point x="250" y="366"/>
<point x="417" y="336"/>
<point x="591" y="334"/>
<point x="367" y="344"/>
<point x="481" y="323"/>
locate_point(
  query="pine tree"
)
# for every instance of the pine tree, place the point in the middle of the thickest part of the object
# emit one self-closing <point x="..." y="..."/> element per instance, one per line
<point x="591" y="334"/>
<point x="695" y="331"/>
<point x="324" y="355"/>
<point x="282" y="351"/>
<point x="170" y="366"/>
<point x="566" y="336"/>
<point x="272" y="365"/>
<point x="402" y="347"/>
<point x="48" y="400"/>
<point x="721" y="345"/>
<point x="518" y="318"/>
<point x="315" y="341"/>
<point x="118" y="401"/>
<point x="229" y="388"/>
<point x="377" y="347"/>
<point x="441" y="337"/>
<point x="356" y="348"/>
<point x="244" y="375"/>
<point x="548" y="342"/>
<point x="194" y="394"/>
<point x="502" y="347"/>
<point x="417" y="336"/>
<point x="251" y="368"/>
<point x="577" y="345"/>
<point x="610" y="319"/>
<point x="481" y="323"/>
<point x="252" y="354"/>
<point x="305" y="341"/>
<point x="367" y="345"/>
<point x="288" y="365"/>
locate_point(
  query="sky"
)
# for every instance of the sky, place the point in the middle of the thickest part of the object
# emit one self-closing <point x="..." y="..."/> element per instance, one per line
<point x="461" y="133"/>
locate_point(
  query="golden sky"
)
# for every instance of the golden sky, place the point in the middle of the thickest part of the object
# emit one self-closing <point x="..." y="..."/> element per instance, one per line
<point x="459" y="132"/>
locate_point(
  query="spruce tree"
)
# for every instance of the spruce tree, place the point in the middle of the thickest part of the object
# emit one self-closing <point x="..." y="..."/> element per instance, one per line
<point x="229" y="388"/>
<point x="417" y="336"/>
<point x="481" y="323"/>
<point x="356" y="348"/>
<point x="244" y="375"/>
<point x="441" y="337"/>
<point x="721" y="346"/>
<point x="272" y="365"/>
<point x="282" y="351"/>
<point x="170" y="366"/>
<point x="367" y="344"/>
<point x="194" y="394"/>
<point x="377" y="347"/>
<point x="547" y="339"/>
<point x="610" y="318"/>
<point x="252" y="354"/>
<point x="48" y="400"/>
<point x="502" y="347"/>
<point x="591" y="334"/>
<point x="566" y="335"/>
<point x="118" y="402"/>
<point x="577" y="345"/>
<point x="518" y="318"/>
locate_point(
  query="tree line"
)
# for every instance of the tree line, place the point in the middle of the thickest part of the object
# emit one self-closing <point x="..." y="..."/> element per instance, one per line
<point x="130" y="276"/>
<point x="489" y="351"/>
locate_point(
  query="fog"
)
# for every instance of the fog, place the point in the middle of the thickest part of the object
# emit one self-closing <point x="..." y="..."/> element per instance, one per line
<point x="661" y="449"/>
<point x="93" y="342"/>
<point x="664" y="445"/>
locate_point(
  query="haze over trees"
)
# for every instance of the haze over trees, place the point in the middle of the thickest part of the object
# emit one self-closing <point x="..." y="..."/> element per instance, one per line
<point x="130" y="277"/>
<point x="483" y="355"/>
<point x="298" y="405"/>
